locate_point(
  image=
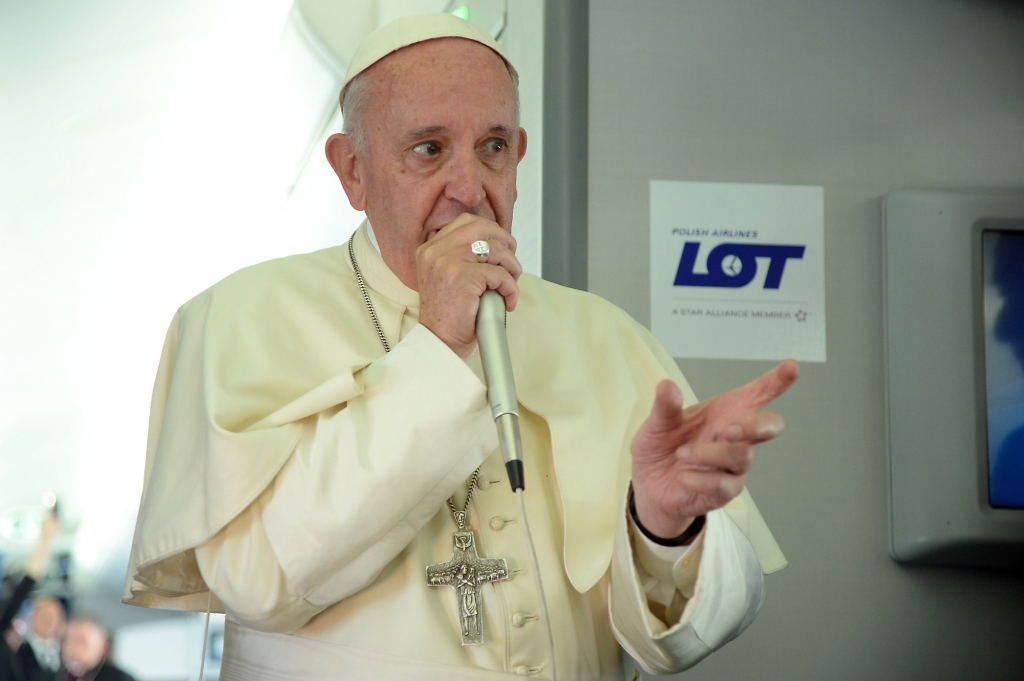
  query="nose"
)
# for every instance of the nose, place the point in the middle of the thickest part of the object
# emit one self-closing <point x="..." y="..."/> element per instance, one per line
<point x="465" y="180"/>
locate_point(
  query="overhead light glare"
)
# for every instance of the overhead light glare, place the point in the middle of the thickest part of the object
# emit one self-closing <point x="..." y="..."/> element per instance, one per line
<point x="462" y="12"/>
<point x="20" y="524"/>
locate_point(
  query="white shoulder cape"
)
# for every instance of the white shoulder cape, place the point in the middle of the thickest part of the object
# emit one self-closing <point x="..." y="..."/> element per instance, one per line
<point x="250" y="357"/>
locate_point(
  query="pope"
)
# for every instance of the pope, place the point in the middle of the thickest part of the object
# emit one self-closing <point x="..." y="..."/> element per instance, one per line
<point x="320" y="435"/>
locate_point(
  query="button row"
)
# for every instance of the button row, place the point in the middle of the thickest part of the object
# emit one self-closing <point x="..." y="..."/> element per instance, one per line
<point x="519" y="619"/>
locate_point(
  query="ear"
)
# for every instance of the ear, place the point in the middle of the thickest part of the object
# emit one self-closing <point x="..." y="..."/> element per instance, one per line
<point x="522" y="144"/>
<point x="341" y="154"/>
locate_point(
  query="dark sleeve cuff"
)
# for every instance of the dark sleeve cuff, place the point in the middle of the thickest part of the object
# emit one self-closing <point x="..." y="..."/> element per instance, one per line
<point x="682" y="540"/>
<point x="13" y="604"/>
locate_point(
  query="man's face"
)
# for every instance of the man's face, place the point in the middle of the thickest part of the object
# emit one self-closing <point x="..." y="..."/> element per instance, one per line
<point x="47" y="619"/>
<point x="83" y="647"/>
<point x="442" y="140"/>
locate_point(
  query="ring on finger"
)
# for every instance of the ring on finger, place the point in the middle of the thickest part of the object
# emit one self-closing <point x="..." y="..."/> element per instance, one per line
<point x="481" y="249"/>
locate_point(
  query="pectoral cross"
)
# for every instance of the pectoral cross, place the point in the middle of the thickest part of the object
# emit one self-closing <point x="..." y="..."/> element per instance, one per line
<point x="465" y="572"/>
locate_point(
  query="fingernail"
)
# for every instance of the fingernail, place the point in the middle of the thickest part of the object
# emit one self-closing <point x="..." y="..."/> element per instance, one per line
<point x="732" y="433"/>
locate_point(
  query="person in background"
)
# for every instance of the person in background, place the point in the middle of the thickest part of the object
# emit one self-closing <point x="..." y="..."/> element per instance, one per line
<point x="39" y="654"/>
<point x="35" y="570"/>
<point x="84" y="654"/>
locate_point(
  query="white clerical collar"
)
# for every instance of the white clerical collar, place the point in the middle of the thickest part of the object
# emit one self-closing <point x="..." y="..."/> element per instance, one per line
<point x="378" y="275"/>
<point x="371" y="236"/>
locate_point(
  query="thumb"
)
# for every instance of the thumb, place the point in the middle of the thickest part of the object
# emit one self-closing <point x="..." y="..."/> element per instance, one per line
<point x="667" y="412"/>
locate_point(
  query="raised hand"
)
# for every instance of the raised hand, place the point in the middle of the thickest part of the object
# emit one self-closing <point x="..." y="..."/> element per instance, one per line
<point x="451" y="281"/>
<point x="688" y="462"/>
<point x="35" y="566"/>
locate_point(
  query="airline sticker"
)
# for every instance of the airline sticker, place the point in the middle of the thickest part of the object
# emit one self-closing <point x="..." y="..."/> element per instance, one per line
<point x="738" y="270"/>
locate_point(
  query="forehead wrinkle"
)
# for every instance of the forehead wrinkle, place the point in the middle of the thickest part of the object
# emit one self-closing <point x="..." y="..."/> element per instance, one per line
<point x="424" y="131"/>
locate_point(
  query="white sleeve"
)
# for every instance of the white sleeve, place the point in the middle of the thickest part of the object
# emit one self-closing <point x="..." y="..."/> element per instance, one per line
<point x="363" y="480"/>
<point x="670" y="614"/>
<point x="655" y="564"/>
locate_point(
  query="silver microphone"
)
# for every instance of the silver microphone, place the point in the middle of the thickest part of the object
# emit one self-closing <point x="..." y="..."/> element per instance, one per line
<point x="501" y="385"/>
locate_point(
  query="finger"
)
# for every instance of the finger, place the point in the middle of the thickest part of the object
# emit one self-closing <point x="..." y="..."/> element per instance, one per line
<point x="452" y="255"/>
<point x="503" y="257"/>
<point x="719" y="487"/>
<point x="754" y="427"/>
<point x="729" y="457"/>
<point x="503" y="236"/>
<point x="762" y="390"/>
<point x="499" y="279"/>
<point x="460" y="220"/>
<point x="468" y="228"/>
<point x="667" y="411"/>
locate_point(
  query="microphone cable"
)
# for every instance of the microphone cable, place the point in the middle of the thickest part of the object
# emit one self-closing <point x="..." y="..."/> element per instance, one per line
<point x="206" y="631"/>
<point x="535" y="566"/>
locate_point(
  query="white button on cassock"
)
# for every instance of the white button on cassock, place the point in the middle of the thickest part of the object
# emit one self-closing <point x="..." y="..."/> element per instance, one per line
<point x="518" y="619"/>
<point x="497" y="522"/>
<point x="521" y="670"/>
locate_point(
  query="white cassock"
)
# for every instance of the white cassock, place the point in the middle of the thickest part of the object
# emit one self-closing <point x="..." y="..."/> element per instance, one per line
<point x="300" y="474"/>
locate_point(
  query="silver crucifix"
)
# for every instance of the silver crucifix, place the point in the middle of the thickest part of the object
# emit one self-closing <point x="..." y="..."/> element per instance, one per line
<point x="465" y="572"/>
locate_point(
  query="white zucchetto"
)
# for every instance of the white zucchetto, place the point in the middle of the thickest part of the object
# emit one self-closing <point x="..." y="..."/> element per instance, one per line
<point x="413" y="29"/>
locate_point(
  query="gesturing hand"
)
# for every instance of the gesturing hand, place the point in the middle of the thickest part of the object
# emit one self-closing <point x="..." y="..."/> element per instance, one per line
<point x="688" y="462"/>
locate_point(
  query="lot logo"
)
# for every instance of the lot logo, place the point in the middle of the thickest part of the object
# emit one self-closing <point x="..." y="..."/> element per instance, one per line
<point x="733" y="265"/>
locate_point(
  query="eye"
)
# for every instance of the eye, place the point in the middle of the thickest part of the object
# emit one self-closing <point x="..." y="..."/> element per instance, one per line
<point x="427" y="148"/>
<point x="495" y="146"/>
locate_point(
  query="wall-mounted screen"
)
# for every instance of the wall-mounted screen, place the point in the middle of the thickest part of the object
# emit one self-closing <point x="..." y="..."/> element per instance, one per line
<point x="1003" y="267"/>
<point x="954" y="373"/>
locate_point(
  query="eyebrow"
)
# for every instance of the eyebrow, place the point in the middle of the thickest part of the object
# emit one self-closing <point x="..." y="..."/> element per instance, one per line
<point x="427" y="131"/>
<point x="502" y="129"/>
